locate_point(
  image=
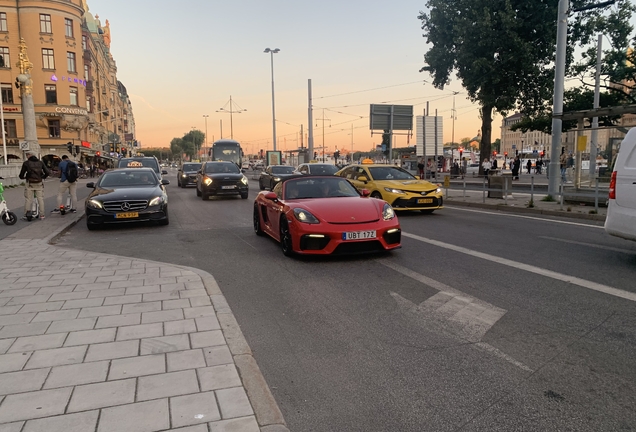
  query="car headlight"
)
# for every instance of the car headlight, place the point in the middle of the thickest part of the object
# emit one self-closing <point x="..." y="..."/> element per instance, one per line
<point x="156" y="201"/>
<point x="244" y="180"/>
<point x="395" y="191"/>
<point x="387" y="212"/>
<point x="94" y="204"/>
<point x="276" y="179"/>
<point x="439" y="190"/>
<point x="207" y="181"/>
<point x="305" y="217"/>
<point x="183" y="175"/>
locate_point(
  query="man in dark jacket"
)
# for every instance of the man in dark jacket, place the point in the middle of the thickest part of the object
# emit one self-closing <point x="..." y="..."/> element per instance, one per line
<point x="34" y="172"/>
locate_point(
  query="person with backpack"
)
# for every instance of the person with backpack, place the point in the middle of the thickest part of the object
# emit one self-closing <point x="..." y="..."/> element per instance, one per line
<point x="68" y="182"/>
<point x="33" y="172"/>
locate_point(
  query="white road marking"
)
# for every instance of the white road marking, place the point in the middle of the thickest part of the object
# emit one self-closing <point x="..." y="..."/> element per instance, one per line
<point x="454" y="312"/>
<point x="529" y="268"/>
<point x="523" y="217"/>
<point x="609" y="248"/>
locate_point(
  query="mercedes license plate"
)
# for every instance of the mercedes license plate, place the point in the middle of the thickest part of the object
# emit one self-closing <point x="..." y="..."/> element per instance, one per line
<point x="228" y="187"/>
<point x="425" y="201"/>
<point x="358" y="235"/>
<point x="126" y="215"/>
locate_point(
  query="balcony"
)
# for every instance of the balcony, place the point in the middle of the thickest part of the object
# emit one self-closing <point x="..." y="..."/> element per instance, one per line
<point x="89" y="85"/>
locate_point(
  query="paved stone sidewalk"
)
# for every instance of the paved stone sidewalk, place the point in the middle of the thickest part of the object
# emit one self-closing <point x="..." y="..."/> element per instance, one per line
<point x="95" y="342"/>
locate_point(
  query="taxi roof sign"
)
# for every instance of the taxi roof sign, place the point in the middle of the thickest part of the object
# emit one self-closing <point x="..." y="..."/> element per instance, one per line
<point x="134" y="164"/>
<point x="367" y="161"/>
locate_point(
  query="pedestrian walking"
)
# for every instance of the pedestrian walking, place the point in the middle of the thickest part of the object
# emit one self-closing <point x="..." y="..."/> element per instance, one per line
<point x="539" y="166"/>
<point x="420" y="168"/>
<point x="563" y="164"/>
<point x="68" y="182"/>
<point x="516" y="167"/>
<point x="92" y="170"/>
<point x="34" y="172"/>
<point x="529" y="166"/>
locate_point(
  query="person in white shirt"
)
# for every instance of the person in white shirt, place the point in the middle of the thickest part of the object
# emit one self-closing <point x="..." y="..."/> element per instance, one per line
<point x="486" y="165"/>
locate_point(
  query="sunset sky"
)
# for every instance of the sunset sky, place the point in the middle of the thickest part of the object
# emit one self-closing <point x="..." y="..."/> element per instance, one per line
<point x="180" y="61"/>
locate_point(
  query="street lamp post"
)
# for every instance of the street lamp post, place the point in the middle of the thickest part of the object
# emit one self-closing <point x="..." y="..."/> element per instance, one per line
<point x="205" y="116"/>
<point x="272" y="52"/>
<point x="231" y="111"/>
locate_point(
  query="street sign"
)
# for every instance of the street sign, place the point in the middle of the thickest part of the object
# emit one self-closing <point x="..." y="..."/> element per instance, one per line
<point x="447" y="181"/>
<point x="514" y="146"/>
<point x="24" y="145"/>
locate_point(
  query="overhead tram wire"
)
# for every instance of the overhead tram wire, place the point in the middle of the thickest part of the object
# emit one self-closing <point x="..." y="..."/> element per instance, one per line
<point x="368" y="90"/>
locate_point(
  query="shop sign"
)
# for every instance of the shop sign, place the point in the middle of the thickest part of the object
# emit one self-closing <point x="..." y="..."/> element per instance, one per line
<point x="54" y="78"/>
<point x="86" y="144"/>
<point x="65" y="110"/>
<point x="10" y="109"/>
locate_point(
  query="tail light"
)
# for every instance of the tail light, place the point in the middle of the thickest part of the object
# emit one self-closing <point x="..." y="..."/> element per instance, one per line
<point x="612" y="186"/>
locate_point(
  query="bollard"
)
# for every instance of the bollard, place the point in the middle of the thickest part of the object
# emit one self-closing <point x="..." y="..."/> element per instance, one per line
<point x="484" y="193"/>
<point x="505" y="192"/>
<point x="464" y="196"/>
<point x="561" y="191"/>
<point x="596" y="197"/>
<point x="532" y="190"/>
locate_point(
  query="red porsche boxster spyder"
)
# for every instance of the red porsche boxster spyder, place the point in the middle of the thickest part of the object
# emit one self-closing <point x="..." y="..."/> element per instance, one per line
<point x="325" y="215"/>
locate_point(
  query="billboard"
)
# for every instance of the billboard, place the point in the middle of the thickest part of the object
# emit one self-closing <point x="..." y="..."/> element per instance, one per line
<point x="428" y="128"/>
<point x="391" y="117"/>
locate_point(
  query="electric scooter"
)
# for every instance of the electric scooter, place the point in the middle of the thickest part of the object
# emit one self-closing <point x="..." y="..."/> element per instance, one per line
<point x="8" y="217"/>
<point x="34" y="213"/>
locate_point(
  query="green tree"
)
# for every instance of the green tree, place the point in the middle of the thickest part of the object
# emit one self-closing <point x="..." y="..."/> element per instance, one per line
<point x="502" y="51"/>
<point x="176" y="147"/>
<point x="496" y="146"/>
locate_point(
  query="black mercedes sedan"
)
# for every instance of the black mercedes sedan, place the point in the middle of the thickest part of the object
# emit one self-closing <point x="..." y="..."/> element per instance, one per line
<point x="125" y="195"/>
<point x="221" y="178"/>
<point x="273" y="174"/>
<point x="187" y="174"/>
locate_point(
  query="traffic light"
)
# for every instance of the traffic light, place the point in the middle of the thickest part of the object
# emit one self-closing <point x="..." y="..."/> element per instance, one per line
<point x="77" y="150"/>
<point x="494" y="153"/>
<point x="461" y="152"/>
<point x="506" y="154"/>
<point x="98" y="154"/>
<point x="69" y="147"/>
<point x="542" y="153"/>
<point x="112" y="148"/>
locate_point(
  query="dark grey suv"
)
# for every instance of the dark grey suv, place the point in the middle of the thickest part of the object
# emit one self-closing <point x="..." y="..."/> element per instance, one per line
<point x="187" y="174"/>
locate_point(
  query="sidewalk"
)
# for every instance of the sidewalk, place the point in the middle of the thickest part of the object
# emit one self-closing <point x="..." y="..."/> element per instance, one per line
<point x="96" y="342"/>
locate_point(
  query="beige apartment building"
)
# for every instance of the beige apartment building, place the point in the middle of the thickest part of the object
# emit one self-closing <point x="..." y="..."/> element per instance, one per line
<point x="76" y="94"/>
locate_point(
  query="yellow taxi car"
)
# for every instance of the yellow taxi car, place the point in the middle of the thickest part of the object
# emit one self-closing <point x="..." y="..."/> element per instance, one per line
<point x="396" y="186"/>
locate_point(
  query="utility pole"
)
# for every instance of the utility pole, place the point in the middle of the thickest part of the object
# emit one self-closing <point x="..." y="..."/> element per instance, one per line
<point x="323" y="132"/>
<point x="310" y="123"/>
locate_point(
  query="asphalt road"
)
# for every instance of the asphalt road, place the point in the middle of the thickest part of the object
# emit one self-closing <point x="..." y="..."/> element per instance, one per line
<point x="483" y="321"/>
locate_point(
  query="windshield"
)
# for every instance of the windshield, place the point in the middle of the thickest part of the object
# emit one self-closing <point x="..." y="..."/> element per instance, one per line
<point x="282" y="170"/>
<point x="231" y="153"/>
<point x="390" y="173"/>
<point x="319" y="188"/>
<point x="191" y="167"/>
<point x="217" y="168"/>
<point x="127" y="178"/>
<point x="139" y="163"/>
<point x="323" y="169"/>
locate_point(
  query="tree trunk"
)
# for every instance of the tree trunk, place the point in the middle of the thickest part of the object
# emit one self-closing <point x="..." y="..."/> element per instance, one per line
<point x="486" y="134"/>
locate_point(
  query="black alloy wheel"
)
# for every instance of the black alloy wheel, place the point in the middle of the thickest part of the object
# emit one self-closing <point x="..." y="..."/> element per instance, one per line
<point x="257" y="221"/>
<point x="376" y="194"/>
<point x="285" y="237"/>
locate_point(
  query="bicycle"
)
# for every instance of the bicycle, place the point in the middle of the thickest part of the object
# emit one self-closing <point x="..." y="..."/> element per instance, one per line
<point x="8" y="217"/>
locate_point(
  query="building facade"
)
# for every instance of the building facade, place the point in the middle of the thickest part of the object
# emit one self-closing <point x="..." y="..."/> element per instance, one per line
<point x="517" y="142"/>
<point x="76" y="94"/>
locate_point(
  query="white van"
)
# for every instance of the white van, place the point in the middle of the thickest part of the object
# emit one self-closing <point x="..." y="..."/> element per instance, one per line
<point x="621" y="212"/>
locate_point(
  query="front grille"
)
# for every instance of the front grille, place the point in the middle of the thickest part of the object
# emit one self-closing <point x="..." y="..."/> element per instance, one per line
<point x="116" y="206"/>
<point x="193" y="176"/>
<point x="313" y="243"/>
<point x="411" y="203"/>
<point x="359" y="247"/>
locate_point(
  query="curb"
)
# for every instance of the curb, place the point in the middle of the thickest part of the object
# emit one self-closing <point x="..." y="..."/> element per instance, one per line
<point x="525" y="210"/>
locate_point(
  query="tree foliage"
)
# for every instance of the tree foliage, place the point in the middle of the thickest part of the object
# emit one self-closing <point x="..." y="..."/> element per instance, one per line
<point x="189" y="144"/>
<point x="503" y="51"/>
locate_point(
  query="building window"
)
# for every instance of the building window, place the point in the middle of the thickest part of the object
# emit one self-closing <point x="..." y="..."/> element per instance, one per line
<point x="88" y="104"/>
<point x="84" y="44"/>
<point x="45" y="23"/>
<point x="3" y="22"/>
<point x="54" y="128"/>
<point x="86" y="72"/>
<point x="73" y="96"/>
<point x="48" y="61"/>
<point x="5" y="62"/>
<point x="9" y="128"/>
<point x="69" y="27"/>
<point x="70" y="61"/>
<point x="51" y="94"/>
<point x="7" y="93"/>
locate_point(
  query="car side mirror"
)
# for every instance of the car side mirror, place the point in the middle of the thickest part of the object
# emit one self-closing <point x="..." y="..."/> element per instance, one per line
<point x="164" y="172"/>
<point x="363" y="179"/>
<point x="271" y="196"/>
<point x="365" y="192"/>
<point x="165" y="182"/>
<point x="90" y="185"/>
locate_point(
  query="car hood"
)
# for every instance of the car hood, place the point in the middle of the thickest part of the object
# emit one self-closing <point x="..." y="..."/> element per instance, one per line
<point x="408" y="185"/>
<point x="126" y="193"/>
<point x="342" y="210"/>
<point x="224" y="176"/>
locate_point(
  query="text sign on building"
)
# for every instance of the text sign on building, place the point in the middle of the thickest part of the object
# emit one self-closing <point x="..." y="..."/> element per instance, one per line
<point x="429" y="131"/>
<point x="391" y="117"/>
